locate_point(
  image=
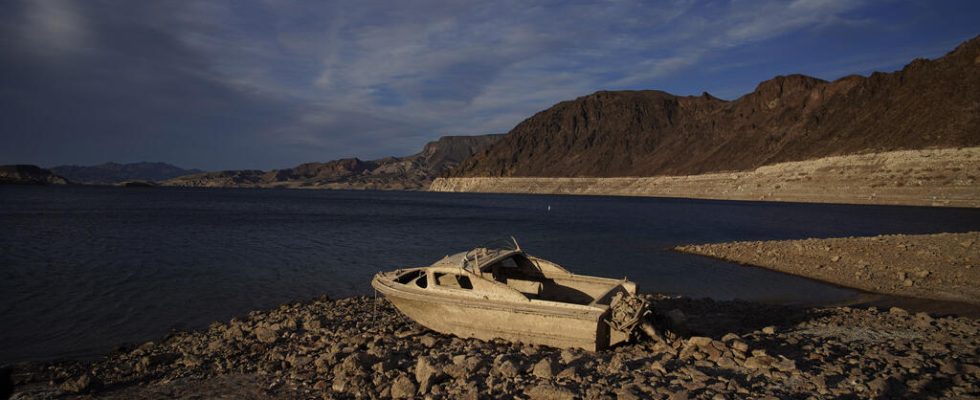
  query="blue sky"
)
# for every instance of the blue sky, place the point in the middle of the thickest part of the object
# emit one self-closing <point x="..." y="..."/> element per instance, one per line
<point x="274" y="83"/>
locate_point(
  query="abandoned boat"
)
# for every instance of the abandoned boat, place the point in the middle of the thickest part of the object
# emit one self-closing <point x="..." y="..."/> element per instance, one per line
<point x="503" y="292"/>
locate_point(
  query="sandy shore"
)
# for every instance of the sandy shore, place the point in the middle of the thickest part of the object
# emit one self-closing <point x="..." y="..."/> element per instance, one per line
<point x="363" y="348"/>
<point x="942" y="266"/>
<point x="943" y="177"/>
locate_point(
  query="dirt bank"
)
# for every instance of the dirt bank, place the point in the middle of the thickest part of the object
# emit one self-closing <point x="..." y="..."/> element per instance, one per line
<point x="944" y="177"/>
<point x="363" y="348"/>
<point x="943" y="266"/>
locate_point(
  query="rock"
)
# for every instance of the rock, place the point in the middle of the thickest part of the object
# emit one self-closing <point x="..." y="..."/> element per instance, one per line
<point x="428" y="341"/>
<point x="740" y="346"/>
<point x="340" y="384"/>
<point x="835" y="258"/>
<point x="785" y="365"/>
<point x="266" y="334"/>
<point x="474" y="364"/>
<point x="626" y="393"/>
<point x="291" y="323"/>
<point x="726" y="362"/>
<point x="355" y="364"/>
<point x="898" y="312"/>
<point x="313" y="324"/>
<point x="769" y="330"/>
<point x="679" y="395"/>
<point x="403" y="387"/>
<point x="568" y="356"/>
<point x="699" y="341"/>
<point x="878" y="386"/>
<point x="545" y="369"/>
<point x="426" y="373"/>
<point x="948" y="367"/>
<point x="658" y="366"/>
<point x="215" y="346"/>
<point x="549" y="392"/>
<point x="77" y="385"/>
<point x="233" y="332"/>
<point x="758" y="362"/>
<point x="570" y="373"/>
<point x="190" y="361"/>
<point x="730" y="337"/>
<point x="618" y="363"/>
<point x="507" y="368"/>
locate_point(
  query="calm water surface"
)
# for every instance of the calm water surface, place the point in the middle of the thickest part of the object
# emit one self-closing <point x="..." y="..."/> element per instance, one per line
<point x="83" y="269"/>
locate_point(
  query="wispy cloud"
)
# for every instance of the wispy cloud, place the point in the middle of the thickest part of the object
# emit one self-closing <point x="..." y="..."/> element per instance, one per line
<point x="54" y="27"/>
<point x="268" y="83"/>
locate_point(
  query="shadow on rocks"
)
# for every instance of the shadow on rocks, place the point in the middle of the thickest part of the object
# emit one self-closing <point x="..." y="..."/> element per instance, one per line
<point x="706" y="317"/>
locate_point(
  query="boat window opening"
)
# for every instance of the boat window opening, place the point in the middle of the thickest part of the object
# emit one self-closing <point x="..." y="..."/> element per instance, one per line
<point x="409" y="276"/>
<point x="453" y="281"/>
<point x="464" y="282"/>
<point x="502" y="269"/>
<point x="422" y="282"/>
<point x="516" y="266"/>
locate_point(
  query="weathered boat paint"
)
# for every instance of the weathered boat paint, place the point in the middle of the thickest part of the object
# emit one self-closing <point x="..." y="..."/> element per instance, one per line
<point x="505" y="293"/>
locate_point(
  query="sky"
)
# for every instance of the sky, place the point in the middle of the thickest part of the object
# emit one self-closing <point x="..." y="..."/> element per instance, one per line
<point x="238" y="84"/>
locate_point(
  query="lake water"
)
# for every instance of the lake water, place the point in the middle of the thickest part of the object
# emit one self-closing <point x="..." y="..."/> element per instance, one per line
<point x="83" y="269"/>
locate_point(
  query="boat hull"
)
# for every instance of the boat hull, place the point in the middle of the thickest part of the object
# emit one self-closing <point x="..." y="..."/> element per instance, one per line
<point x="527" y="323"/>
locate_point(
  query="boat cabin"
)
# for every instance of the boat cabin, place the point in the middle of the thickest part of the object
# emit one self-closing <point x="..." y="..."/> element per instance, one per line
<point x="512" y="275"/>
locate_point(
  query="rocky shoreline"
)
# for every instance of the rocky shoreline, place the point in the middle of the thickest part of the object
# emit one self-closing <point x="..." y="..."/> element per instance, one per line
<point x="934" y="177"/>
<point x="944" y="266"/>
<point x="362" y="347"/>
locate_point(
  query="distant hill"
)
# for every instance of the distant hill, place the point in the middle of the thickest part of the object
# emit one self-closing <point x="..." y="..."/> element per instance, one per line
<point x="404" y="173"/>
<point x="928" y="104"/>
<point x="29" y="175"/>
<point x="113" y="173"/>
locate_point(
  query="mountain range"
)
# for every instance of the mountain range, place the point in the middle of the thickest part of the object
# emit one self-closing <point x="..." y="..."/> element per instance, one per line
<point x="927" y="104"/>
<point x="114" y="173"/>
<point x="22" y="174"/>
<point x="413" y="172"/>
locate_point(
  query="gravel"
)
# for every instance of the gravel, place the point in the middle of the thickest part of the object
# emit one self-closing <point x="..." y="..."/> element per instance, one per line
<point x="361" y="347"/>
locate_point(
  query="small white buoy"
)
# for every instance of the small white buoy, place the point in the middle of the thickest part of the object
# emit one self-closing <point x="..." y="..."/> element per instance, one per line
<point x="549" y="207"/>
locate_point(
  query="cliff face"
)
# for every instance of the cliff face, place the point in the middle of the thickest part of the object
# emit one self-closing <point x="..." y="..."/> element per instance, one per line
<point x="113" y="173"/>
<point x="29" y="175"/>
<point x="404" y="173"/>
<point x="788" y="118"/>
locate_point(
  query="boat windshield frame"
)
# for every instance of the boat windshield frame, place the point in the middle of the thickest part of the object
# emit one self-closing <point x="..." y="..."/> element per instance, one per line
<point x="489" y="251"/>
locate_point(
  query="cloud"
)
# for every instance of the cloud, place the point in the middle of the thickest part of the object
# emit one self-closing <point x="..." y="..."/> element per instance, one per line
<point x="272" y="83"/>
<point x="54" y="27"/>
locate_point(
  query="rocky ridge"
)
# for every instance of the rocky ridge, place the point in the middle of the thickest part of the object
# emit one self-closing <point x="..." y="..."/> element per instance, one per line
<point x="413" y="172"/>
<point x="927" y="104"/>
<point x="29" y="175"/>
<point x="114" y="173"/>
<point x="363" y="348"/>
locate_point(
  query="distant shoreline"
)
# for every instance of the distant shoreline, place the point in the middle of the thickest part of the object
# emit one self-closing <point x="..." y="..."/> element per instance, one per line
<point x="943" y="266"/>
<point x="938" y="177"/>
